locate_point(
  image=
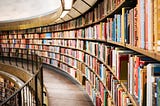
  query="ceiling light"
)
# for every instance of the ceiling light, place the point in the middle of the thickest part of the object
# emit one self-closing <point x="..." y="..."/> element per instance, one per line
<point x="68" y="4"/>
<point x="63" y="14"/>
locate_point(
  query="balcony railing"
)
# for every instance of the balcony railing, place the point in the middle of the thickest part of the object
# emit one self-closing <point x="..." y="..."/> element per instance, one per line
<point x="31" y="93"/>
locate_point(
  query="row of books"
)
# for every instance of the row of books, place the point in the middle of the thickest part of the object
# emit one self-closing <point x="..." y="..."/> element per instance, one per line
<point x="122" y="28"/>
<point x="69" y="52"/>
<point x="120" y="60"/>
<point x="144" y="79"/>
<point x="74" y="63"/>
<point x="125" y="66"/>
<point x="99" y="11"/>
<point x="139" y="73"/>
<point x="7" y="88"/>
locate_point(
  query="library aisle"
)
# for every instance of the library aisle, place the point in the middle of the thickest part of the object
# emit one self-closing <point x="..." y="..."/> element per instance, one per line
<point x="62" y="91"/>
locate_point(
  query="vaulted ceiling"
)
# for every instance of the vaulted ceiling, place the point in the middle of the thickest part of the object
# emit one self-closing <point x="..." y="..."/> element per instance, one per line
<point x="15" y="10"/>
<point x="22" y="14"/>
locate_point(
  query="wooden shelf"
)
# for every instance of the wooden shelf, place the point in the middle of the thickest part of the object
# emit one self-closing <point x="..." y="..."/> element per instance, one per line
<point x="116" y="43"/>
<point x="116" y="10"/>
<point x="148" y="53"/>
<point x="124" y="87"/>
<point x="76" y="69"/>
<point x="71" y="65"/>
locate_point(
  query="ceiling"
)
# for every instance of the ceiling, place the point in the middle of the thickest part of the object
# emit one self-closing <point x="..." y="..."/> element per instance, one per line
<point x="24" y="14"/>
<point x="15" y="10"/>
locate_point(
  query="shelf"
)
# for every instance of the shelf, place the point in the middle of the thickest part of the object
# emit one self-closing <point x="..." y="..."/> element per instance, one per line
<point x="148" y="53"/>
<point x="78" y="80"/>
<point x="124" y="3"/>
<point x="75" y="69"/>
<point x="113" y="72"/>
<point x="124" y="87"/>
<point x="116" y="43"/>
<point x="116" y="10"/>
<point x="93" y="40"/>
<point x="79" y="70"/>
<point x="63" y="71"/>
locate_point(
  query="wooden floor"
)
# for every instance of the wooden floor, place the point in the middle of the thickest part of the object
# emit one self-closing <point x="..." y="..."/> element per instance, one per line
<point x="63" y="91"/>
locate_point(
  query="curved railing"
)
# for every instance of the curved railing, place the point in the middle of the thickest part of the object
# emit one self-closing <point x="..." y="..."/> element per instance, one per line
<point x="31" y="93"/>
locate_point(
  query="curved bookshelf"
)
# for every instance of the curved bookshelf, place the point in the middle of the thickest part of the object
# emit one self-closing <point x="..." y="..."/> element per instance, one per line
<point x="80" y="71"/>
<point x="63" y="27"/>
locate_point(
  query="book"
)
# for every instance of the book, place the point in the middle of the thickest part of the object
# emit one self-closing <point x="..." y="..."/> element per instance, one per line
<point x="158" y="89"/>
<point x="131" y="74"/>
<point x="155" y="25"/>
<point x="118" y="28"/>
<point x="142" y="85"/>
<point x="124" y="26"/>
<point x="142" y="23"/>
<point x="146" y="23"/>
<point x="153" y="70"/>
<point x="122" y="66"/>
<point x="140" y="61"/>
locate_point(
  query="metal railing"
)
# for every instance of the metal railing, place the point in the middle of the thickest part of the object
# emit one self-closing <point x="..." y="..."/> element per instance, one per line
<point x="31" y="93"/>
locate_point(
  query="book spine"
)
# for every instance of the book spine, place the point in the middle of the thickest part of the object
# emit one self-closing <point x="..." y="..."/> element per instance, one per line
<point x="118" y="28"/>
<point x="142" y="23"/>
<point x="158" y="91"/>
<point x="150" y="24"/>
<point x="158" y="27"/>
<point x="155" y="23"/>
<point x="123" y="26"/>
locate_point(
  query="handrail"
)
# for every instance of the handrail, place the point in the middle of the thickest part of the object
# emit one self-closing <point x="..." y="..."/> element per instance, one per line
<point x="32" y="91"/>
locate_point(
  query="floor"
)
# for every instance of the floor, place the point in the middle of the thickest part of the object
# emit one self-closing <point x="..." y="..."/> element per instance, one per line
<point x="63" y="91"/>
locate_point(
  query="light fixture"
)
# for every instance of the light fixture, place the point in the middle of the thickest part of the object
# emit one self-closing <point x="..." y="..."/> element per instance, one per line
<point x="63" y="14"/>
<point x="68" y="4"/>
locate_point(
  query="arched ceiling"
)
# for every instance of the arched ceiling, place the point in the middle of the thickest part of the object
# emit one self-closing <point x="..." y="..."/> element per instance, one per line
<point x="16" y="10"/>
<point x="23" y="14"/>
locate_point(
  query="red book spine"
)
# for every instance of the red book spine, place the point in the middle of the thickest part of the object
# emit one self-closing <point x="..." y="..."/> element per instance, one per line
<point x="137" y="62"/>
<point x="146" y="25"/>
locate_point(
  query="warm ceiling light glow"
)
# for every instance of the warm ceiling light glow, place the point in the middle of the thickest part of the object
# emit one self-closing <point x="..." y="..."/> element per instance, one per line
<point x="63" y="14"/>
<point x="68" y="4"/>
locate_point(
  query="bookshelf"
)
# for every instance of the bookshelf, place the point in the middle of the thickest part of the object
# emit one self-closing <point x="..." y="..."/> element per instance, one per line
<point x="7" y="87"/>
<point x="105" y="49"/>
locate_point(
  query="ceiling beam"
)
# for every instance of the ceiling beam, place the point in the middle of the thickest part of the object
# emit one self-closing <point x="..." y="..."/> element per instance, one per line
<point x="87" y="3"/>
<point x="77" y="10"/>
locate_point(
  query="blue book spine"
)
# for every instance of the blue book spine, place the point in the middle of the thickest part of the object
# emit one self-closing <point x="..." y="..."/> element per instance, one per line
<point x="94" y="97"/>
<point x="126" y="36"/>
<point x="48" y="35"/>
<point x="87" y="46"/>
<point x="101" y="71"/>
<point x="118" y="28"/>
<point x="158" y="91"/>
<point x="27" y="46"/>
<point x="142" y="27"/>
<point x="113" y="30"/>
<point x="156" y="71"/>
<point x="139" y="80"/>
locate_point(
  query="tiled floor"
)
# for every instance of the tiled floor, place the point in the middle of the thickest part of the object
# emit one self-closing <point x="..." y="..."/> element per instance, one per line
<point x="64" y="92"/>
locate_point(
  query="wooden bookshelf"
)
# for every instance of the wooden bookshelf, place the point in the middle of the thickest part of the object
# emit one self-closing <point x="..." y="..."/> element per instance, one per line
<point x="81" y="23"/>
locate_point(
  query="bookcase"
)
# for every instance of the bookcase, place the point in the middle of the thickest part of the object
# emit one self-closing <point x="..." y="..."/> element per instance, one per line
<point x="112" y="50"/>
<point x="7" y="88"/>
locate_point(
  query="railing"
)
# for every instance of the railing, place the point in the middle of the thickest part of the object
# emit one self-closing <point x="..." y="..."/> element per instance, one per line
<point x="31" y="93"/>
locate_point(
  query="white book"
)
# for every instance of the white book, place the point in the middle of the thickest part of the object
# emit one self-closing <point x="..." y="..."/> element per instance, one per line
<point x="131" y="74"/>
<point x="151" y="70"/>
